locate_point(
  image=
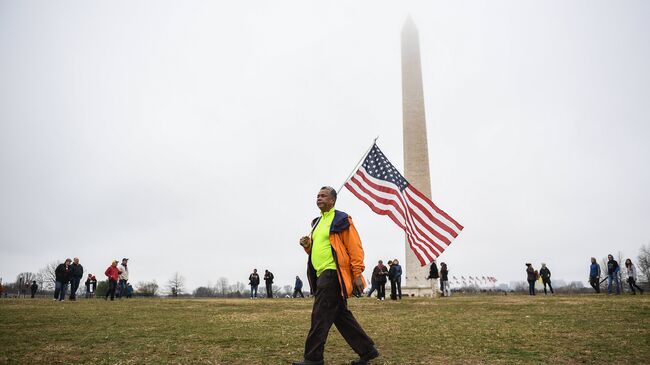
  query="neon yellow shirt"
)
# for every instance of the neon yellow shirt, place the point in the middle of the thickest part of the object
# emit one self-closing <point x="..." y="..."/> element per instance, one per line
<point x="321" y="249"/>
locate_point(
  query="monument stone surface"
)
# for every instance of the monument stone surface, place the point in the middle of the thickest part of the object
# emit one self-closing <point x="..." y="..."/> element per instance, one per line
<point x="416" y="151"/>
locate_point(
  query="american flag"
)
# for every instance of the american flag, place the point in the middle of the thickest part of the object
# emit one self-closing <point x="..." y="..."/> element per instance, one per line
<point x="429" y="230"/>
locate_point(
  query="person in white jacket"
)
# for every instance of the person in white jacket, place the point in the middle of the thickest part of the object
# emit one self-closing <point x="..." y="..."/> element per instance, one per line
<point x="124" y="277"/>
<point x="631" y="276"/>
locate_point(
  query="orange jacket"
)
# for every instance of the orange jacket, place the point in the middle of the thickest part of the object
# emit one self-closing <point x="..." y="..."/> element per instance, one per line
<point x="347" y="252"/>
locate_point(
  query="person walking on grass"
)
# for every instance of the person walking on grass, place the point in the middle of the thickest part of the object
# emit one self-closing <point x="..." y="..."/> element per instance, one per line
<point x="434" y="276"/>
<point x="335" y="272"/>
<point x="531" y="278"/>
<point x="545" y="273"/>
<point x="631" y="276"/>
<point x="113" y="274"/>
<point x="613" y="270"/>
<point x="62" y="275"/>
<point x="444" y="279"/>
<point x="379" y="274"/>
<point x="268" y="280"/>
<point x="76" y="273"/>
<point x="297" y="288"/>
<point x="594" y="275"/>
<point x="254" y="282"/>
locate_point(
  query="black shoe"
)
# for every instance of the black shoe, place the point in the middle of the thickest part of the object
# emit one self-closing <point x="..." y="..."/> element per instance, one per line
<point x="363" y="360"/>
<point x="308" y="362"/>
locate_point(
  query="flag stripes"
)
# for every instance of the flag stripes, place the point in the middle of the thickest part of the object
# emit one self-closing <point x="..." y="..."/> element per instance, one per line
<point x="429" y="230"/>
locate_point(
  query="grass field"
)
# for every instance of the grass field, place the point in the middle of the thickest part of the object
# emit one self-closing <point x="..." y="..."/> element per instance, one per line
<point x="462" y="329"/>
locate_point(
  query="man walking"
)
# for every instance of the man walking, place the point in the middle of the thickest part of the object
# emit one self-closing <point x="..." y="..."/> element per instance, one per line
<point x="335" y="271"/>
<point x="254" y="281"/>
<point x="545" y="273"/>
<point x="62" y="276"/>
<point x="268" y="280"/>
<point x="297" y="288"/>
<point x="434" y="276"/>
<point x="594" y="275"/>
<point x="124" y="277"/>
<point x="612" y="275"/>
<point x="76" y="273"/>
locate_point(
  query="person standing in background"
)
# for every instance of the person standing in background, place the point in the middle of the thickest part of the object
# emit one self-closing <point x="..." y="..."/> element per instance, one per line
<point x="254" y="282"/>
<point x="531" y="278"/>
<point x="545" y="273"/>
<point x="434" y="276"/>
<point x="124" y="277"/>
<point x="594" y="275"/>
<point x="62" y="275"/>
<point x="631" y="276"/>
<point x="113" y="274"/>
<point x="268" y="280"/>
<point x="444" y="278"/>
<point x="613" y="271"/>
<point x="76" y="273"/>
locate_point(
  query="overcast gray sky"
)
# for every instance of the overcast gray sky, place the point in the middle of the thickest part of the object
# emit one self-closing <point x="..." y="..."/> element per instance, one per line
<point x="193" y="136"/>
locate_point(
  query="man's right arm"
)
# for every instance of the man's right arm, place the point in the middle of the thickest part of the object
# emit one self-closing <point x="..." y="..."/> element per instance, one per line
<point x="305" y="242"/>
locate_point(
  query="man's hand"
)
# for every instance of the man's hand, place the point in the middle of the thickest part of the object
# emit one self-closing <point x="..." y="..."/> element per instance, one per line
<point x="305" y="242"/>
<point x="358" y="284"/>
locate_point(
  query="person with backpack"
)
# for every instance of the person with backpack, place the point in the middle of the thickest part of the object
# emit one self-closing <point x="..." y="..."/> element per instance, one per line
<point x="268" y="279"/>
<point x="531" y="277"/>
<point x="545" y="273"/>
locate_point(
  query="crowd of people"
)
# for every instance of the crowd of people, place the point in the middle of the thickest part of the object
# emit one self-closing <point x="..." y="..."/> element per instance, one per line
<point x="613" y="276"/>
<point x="70" y="272"/>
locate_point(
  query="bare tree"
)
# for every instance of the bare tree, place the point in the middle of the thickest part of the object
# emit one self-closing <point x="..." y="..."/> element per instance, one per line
<point x="238" y="289"/>
<point x="222" y="284"/>
<point x="147" y="288"/>
<point x="644" y="262"/>
<point x="203" y="292"/>
<point x="48" y="276"/>
<point x="176" y="284"/>
<point x="288" y="290"/>
<point x="24" y="281"/>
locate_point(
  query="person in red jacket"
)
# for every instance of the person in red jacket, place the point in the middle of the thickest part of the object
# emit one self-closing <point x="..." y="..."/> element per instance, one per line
<point x="113" y="273"/>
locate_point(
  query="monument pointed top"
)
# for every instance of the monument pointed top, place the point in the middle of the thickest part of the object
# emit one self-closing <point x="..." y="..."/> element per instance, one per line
<point x="409" y="25"/>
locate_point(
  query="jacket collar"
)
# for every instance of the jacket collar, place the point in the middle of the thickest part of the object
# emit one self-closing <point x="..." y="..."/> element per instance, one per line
<point x="339" y="224"/>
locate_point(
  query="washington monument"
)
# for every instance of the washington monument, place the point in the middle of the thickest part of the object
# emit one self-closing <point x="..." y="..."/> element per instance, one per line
<point x="416" y="151"/>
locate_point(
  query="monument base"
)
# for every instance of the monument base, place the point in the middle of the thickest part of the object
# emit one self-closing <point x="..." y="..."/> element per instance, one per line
<point x="419" y="291"/>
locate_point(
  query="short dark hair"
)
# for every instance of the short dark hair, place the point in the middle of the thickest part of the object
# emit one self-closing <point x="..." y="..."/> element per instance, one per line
<point x="331" y="191"/>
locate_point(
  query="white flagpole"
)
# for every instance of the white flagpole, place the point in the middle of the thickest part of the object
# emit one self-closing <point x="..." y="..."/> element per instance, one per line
<point x="352" y="173"/>
<point x="357" y="165"/>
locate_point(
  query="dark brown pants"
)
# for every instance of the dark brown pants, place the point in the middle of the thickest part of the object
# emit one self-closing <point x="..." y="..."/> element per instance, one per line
<point x="330" y="308"/>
